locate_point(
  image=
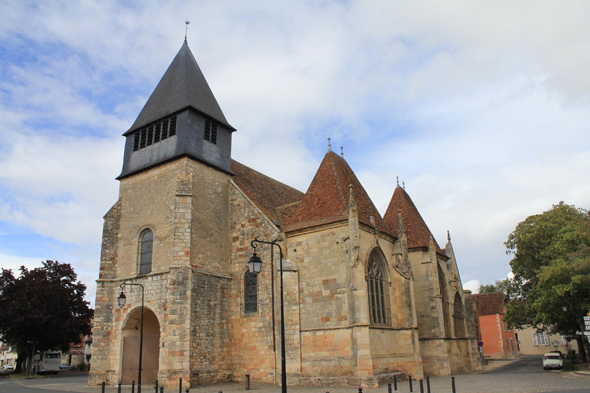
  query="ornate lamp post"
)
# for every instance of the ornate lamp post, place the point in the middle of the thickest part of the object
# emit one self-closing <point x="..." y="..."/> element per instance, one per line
<point x="121" y="300"/>
<point x="255" y="264"/>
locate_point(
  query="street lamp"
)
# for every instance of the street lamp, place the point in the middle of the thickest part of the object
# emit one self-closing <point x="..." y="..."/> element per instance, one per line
<point x="122" y="299"/>
<point x="255" y="264"/>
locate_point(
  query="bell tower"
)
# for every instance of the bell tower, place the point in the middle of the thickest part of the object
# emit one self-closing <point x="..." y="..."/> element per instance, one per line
<point x="181" y="119"/>
<point x="169" y="235"/>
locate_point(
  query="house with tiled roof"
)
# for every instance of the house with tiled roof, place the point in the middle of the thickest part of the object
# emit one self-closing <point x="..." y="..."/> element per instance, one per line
<point x="499" y="339"/>
<point x="366" y="297"/>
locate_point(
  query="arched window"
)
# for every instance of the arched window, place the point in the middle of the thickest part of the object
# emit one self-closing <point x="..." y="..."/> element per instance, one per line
<point x="146" y="243"/>
<point x="250" y="293"/>
<point x="458" y="318"/>
<point x="442" y="283"/>
<point x="378" y="289"/>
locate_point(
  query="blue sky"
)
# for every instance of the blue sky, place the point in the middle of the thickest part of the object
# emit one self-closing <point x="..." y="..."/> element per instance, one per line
<point x="481" y="108"/>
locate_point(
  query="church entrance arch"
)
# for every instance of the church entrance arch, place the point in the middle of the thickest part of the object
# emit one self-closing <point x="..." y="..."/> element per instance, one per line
<point x="150" y="349"/>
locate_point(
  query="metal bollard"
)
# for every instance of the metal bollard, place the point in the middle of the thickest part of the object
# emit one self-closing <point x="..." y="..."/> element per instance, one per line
<point x="180" y="386"/>
<point x="156" y="389"/>
<point x="388" y="388"/>
<point x="132" y="386"/>
<point x="360" y="390"/>
<point x="428" y="384"/>
<point x="453" y="382"/>
<point x="395" y="382"/>
<point x="411" y="390"/>
<point x="247" y="381"/>
<point x="162" y="389"/>
<point x="103" y="386"/>
<point x="186" y="390"/>
<point x="421" y="386"/>
<point x="119" y="388"/>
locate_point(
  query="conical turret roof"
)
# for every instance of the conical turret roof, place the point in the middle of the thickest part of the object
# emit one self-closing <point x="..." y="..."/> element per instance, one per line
<point x="183" y="85"/>
<point x="417" y="231"/>
<point x="326" y="199"/>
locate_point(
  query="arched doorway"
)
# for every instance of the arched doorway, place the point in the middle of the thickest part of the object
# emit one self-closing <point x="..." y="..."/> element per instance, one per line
<point x="150" y="352"/>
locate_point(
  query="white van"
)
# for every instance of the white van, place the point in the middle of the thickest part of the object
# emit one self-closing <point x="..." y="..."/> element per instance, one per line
<point x="49" y="362"/>
<point x="552" y="361"/>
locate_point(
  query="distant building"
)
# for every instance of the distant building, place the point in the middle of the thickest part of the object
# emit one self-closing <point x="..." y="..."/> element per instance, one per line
<point x="365" y="296"/>
<point x="499" y="339"/>
<point x="533" y="341"/>
<point x="8" y="355"/>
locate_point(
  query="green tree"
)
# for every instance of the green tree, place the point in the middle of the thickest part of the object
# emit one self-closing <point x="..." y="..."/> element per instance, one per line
<point x="551" y="267"/>
<point x="43" y="309"/>
<point x="505" y="286"/>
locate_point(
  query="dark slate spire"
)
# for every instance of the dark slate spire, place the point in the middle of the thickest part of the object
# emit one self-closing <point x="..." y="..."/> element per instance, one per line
<point x="183" y="85"/>
<point x="181" y="119"/>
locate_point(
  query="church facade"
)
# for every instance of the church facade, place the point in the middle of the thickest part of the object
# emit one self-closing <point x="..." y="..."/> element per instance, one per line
<point x="366" y="297"/>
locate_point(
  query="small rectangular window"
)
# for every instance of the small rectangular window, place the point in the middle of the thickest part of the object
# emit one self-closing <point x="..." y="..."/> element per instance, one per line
<point x="165" y="129"/>
<point x="136" y="141"/>
<point x="150" y="135"/>
<point x="172" y="126"/>
<point x="214" y="133"/>
<point x="207" y="130"/>
<point x="157" y="132"/>
<point x="143" y="138"/>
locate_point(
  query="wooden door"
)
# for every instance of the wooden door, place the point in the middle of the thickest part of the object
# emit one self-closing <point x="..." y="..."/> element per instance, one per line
<point x="149" y="359"/>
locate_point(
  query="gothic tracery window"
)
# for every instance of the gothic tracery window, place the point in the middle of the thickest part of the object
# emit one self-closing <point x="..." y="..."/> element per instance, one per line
<point x="146" y="244"/>
<point x="442" y="283"/>
<point x="250" y="293"/>
<point x="378" y="287"/>
<point x="458" y="318"/>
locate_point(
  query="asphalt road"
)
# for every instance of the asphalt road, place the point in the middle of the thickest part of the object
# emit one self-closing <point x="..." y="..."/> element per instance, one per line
<point x="523" y="376"/>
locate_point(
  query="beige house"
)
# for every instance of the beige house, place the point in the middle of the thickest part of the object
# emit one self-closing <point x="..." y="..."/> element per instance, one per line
<point x="8" y="355"/>
<point x="366" y="297"/>
<point x="536" y="342"/>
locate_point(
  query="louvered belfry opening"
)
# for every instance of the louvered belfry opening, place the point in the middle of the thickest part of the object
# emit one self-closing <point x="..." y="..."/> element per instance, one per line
<point x="211" y="131"/>
<point x="154" y="133"/>
<point x="378" y="286"/>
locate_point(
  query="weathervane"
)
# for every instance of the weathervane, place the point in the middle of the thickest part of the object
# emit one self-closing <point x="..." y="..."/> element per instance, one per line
<point x="186" y="28"/>
<point x="341" y="151"/>
<point x="329" y="145"/>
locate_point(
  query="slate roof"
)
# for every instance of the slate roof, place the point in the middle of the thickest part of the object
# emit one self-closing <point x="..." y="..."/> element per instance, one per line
<point x="489" y="303"/>
<point x="417" y="231"/>
<point x="183" y="85"/>
<point x="326" y="199"/>
<point x="266" y="193"/>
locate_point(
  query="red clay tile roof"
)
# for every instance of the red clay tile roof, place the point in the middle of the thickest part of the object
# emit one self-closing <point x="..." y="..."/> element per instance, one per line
<point x="326" y="199"/>
<point x="417" y="231"/>
<point x="266" y="193"/>
<point x="489" y="303"/>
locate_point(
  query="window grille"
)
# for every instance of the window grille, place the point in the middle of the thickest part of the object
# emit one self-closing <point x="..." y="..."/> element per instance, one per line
<point x="157" y="132"/>
<point x="143" y="138"/>
<point x="165" y="129"/>
<point x="378" y="289"/>
<point x="146" y="243"/>
<point x="136" y="141"/>
<point x="250" y="293"/>
<point x="150" y="135"/>
<point x="172" y="130"/>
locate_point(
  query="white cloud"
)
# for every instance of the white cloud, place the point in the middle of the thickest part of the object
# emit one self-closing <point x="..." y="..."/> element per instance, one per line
<point x="480" y="108"/>
<point x="472" y="285"/>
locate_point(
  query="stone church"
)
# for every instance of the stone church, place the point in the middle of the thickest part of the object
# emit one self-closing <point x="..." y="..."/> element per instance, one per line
<point x="366" y="297"/>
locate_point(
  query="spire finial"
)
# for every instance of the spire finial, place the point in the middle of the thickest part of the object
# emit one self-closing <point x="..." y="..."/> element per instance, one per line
<point x="397" y="180"/>
<point x="448" y="235"/>
<point x="329" y="145"/>
<point x="404" y="185"/>
<point x="341" y="152"/>
<point x="186" y="28"/>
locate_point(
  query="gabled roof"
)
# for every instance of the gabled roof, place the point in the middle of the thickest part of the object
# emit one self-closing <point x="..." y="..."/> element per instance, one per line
<point x="417" y="231"/>
<point x="489" y="303"/>
<point x="266" y="193"/>
<point x="326" y="199"/>
<point x="183" y="85"/>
